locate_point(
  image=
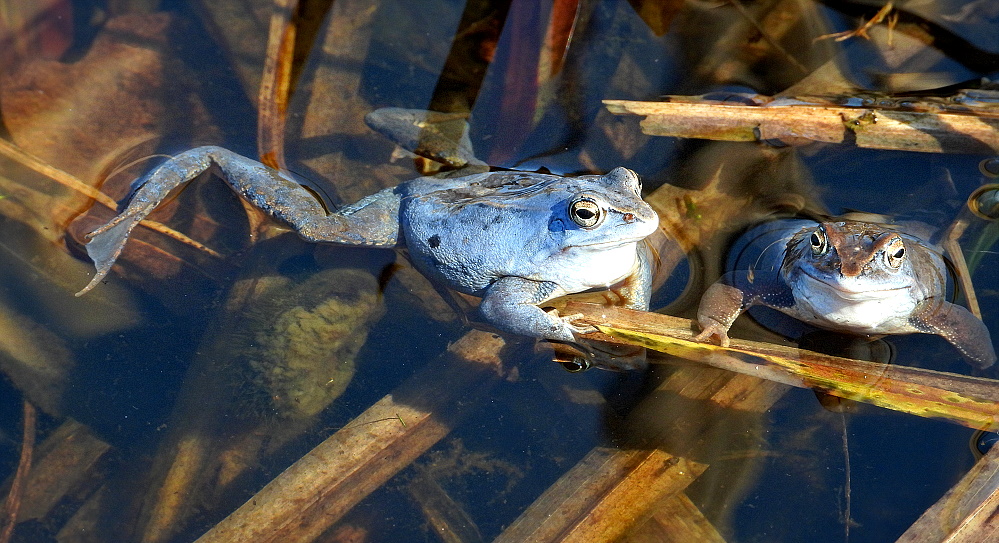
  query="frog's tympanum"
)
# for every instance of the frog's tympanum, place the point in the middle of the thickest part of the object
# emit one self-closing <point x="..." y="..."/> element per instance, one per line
<point x="514" y="239"/>
<point x="857" y="277"/>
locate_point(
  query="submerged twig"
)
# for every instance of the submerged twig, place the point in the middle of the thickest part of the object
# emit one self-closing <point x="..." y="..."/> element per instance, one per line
<point x="62" y="177"/>
<point x="967" y="512"/>
<point x="968" y="401"/>
<point x="847" y="490"/>
<point x="953" y="248"/>
<point x="13" y="503"/>
<point x="861" y="32"/>
<point x="875" y="123"/>
<point x="322" y="486"/>
<point x="449" y="520"/>
<point x="603" y="496"/>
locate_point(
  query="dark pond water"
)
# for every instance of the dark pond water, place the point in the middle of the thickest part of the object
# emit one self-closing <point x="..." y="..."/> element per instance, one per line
<point x="198" y="378"/>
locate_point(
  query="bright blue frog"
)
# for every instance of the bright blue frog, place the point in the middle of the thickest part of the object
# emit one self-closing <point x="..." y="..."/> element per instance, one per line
<point x="514" y="239"/>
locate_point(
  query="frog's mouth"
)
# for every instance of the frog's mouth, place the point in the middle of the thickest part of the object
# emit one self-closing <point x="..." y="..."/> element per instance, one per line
<point x="609" y="244"/>
<point x="845" y="292"/>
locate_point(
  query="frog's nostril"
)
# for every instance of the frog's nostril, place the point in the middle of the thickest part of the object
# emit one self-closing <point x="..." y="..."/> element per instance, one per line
<point x="629" y="217"/>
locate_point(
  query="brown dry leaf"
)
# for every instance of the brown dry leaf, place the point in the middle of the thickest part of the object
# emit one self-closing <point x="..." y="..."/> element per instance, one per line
<point x="68" y="464"/>
<point x="523" y="37"/>
<point x="241" y="30"/>
<point x="111" y="106"/>
<point x="84" y="116"/>
<point x="331" y="109"/>
<point x="558" y="36"/>
<point x="34" y="359"/>
<point x="43" y="28"/>
<point x="275" y="85"/>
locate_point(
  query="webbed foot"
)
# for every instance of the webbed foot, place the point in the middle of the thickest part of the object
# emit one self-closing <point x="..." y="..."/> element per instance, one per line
<point x="105" y="244"/>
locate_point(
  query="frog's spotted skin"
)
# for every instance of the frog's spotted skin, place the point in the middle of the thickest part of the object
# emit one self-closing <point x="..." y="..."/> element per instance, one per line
<point x="858" y="277"/>
<point x="515" y="239"/>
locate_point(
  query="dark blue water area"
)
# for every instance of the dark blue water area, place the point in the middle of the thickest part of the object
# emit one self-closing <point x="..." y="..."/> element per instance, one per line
<point x="891" y="465"/>
<point x="931" y="187"/>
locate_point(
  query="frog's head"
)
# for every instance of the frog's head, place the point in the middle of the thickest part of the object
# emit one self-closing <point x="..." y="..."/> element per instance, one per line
<point x="848" y="260"/>
<point x="605" y="211"/>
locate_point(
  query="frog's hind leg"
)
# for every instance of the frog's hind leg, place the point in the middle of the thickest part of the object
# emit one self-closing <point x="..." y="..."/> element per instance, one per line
<point x="372" y="221"/>
<point x="958" y="326"/>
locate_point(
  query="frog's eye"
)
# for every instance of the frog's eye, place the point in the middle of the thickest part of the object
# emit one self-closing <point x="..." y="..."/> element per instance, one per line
<point x="586" y="213"/>
<point x="576" y="365"/>
<point x="818" y="242"/>
<point x="895" y="254"/>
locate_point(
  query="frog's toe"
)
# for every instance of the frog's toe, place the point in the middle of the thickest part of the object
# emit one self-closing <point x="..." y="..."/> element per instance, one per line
<point x="713" y="330"/>
<point x="568" y="321"/>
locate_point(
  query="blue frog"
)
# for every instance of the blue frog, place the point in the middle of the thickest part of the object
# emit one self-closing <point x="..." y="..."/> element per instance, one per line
<point x="514" y="239"/>
<point x="849" y="276"/>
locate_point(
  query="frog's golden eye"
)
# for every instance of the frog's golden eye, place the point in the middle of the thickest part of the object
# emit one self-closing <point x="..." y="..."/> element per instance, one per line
<point x="895" y="254"/>
<point x="818" y="242"/>
<point x="586" y="213"/>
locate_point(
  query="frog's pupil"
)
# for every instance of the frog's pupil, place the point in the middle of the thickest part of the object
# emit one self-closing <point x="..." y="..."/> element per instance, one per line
<point x="816" y="242"/>
<point x="585" y="213"/>
<point x="899" y="253"/>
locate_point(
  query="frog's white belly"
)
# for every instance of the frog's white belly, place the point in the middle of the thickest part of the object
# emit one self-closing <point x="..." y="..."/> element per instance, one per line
<point x="867" y="312"/>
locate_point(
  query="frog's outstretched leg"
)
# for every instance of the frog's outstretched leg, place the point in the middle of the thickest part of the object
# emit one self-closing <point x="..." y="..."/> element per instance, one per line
<point x="371" y="221"/>
<point x="958" y="326"/>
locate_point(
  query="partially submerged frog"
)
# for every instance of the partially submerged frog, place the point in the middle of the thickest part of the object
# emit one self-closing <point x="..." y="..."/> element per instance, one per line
<point x="514" y="239"/>
<point x="858" y="277"/>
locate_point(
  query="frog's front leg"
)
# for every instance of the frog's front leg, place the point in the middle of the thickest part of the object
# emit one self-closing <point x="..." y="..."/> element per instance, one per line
<point x="511" y="304"/>
<point x="958" y="326"/>
<point x="730" y="296"/>
<point x="371" y="221"/>
<point x="720" y="305"/>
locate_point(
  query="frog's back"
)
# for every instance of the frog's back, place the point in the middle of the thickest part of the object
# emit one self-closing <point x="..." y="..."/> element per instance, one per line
<point x="471" y="230"/>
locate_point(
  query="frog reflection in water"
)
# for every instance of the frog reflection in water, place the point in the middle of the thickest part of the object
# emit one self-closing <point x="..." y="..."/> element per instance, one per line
<point x="857" y="277"/>
<point x="514" y="239"/>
